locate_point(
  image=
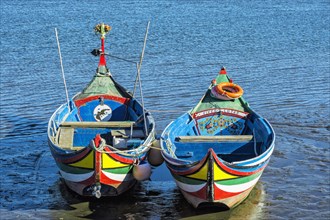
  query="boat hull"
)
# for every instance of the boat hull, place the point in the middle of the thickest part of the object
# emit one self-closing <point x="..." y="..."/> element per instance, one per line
<point x="88" y="171"/>
<point x="213" y="182"/>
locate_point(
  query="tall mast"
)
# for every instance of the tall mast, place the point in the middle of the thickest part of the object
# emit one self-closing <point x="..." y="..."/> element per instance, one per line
<point x="102" y="29"/>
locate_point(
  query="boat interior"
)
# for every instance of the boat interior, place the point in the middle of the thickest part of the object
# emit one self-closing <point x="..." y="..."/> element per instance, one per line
<point x="232" y="138"/>
<point x="119" y="121"/>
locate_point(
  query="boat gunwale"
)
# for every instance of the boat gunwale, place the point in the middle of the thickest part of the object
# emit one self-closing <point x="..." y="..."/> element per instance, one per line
<point x="242" y="163"/>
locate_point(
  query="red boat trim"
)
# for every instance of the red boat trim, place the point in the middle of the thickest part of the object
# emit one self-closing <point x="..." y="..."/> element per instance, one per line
<point x="121" y="100"/>
<point x="98" y="164"/>
<point x="223" y="111"/>
<point x="119" y="158"/>
<point x="235" y="172"/>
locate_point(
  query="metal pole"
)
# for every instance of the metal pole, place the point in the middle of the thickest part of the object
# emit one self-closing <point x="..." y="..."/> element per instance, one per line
<point x="59" y="52"/>
<point x="141" y="58"/>
<point x="143" y="110"/>
<point x="138" y="78"/>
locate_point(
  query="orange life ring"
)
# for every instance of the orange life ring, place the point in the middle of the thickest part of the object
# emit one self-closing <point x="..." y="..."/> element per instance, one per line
<point x="228" y="90"/>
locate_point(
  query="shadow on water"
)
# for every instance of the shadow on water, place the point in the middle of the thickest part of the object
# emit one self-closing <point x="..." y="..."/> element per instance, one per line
<point x="147" y="200"/>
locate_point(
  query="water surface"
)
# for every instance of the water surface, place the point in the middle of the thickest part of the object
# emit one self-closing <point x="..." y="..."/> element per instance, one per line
<point x="278" y="51"/>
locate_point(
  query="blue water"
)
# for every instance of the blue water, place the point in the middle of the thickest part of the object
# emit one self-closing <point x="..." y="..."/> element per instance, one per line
<point x="278" y="51"/>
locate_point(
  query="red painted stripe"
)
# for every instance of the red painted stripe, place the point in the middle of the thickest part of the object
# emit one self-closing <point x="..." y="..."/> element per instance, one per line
<point x="106" y="180"/>
<point x="119" y="158"/>
<point x="80" y="186"/>
<point x="121" y="100"/>
<point x="102" y="57"/>
<point x="220" y="194"/>
<point x="201" y="194"/>
<point x="89" y="181"/>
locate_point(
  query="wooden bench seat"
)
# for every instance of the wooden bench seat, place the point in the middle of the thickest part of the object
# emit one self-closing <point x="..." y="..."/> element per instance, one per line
<point x="222" y="138"/>
<point x="96" y="124"/>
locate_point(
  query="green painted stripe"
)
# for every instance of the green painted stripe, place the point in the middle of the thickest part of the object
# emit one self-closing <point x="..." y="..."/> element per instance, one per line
<point x="187" y="180"/>
<point x="239" y="180"/>
<point x="122" y="170"/>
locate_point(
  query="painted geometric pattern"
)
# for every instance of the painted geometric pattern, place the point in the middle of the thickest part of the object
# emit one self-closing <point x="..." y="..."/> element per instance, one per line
<point x="113" y="171"/>
<point x="220" y="124"/>
<point x="225" y="185"/>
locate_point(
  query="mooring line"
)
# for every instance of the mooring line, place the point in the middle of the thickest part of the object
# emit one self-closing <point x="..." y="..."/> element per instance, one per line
<point x="165" y="111"/>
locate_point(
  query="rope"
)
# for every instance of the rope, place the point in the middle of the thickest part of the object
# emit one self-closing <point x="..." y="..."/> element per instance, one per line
<point x="123" y="152"/>
<point x="156" y="148"/>
<point x="116" y="150"/>
<point x="165" y="111"/>
<point x="119" y="58"/>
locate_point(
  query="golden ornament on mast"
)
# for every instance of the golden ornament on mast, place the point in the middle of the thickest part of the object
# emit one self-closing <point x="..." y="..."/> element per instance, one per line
<point x="102" y="28"/>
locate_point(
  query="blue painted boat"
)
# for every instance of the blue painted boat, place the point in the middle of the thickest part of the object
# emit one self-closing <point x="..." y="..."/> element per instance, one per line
<point x="100" y="139"/>
<point x="217" y="152"/>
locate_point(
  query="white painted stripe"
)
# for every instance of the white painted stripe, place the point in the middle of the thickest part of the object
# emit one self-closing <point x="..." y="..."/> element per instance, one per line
<point x="118" y="177"/>
<point x="76" y="177"/>
<point x="238" y="187"/>
<point x="188" y="187"/>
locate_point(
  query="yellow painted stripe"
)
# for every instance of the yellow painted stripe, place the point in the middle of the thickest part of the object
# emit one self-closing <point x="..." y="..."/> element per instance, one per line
<point x="86" y="162"/>
<point x="219" y="174"/>
<point x="109" y="163"/>
<point x="201" y="174"/>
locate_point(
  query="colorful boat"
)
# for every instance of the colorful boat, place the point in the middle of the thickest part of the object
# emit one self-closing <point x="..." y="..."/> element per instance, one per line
<point x="101" y="137"/>
<point x="217" y="152"/>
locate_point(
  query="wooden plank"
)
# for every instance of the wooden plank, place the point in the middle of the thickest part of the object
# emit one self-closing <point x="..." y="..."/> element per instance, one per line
<point x="222" y="138"/>
<point x="66" y="137"/>
<point x="96" y="124"/>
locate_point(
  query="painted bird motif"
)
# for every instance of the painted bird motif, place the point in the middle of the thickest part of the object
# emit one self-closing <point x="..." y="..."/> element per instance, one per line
<point x="101" y="113"/>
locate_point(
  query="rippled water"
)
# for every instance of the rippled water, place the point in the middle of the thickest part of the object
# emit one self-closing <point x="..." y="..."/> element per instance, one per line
<point x="278" y="51"/>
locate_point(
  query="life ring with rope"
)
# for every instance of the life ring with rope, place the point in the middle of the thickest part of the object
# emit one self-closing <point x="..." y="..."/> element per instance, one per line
<point x="227" y="91"/>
